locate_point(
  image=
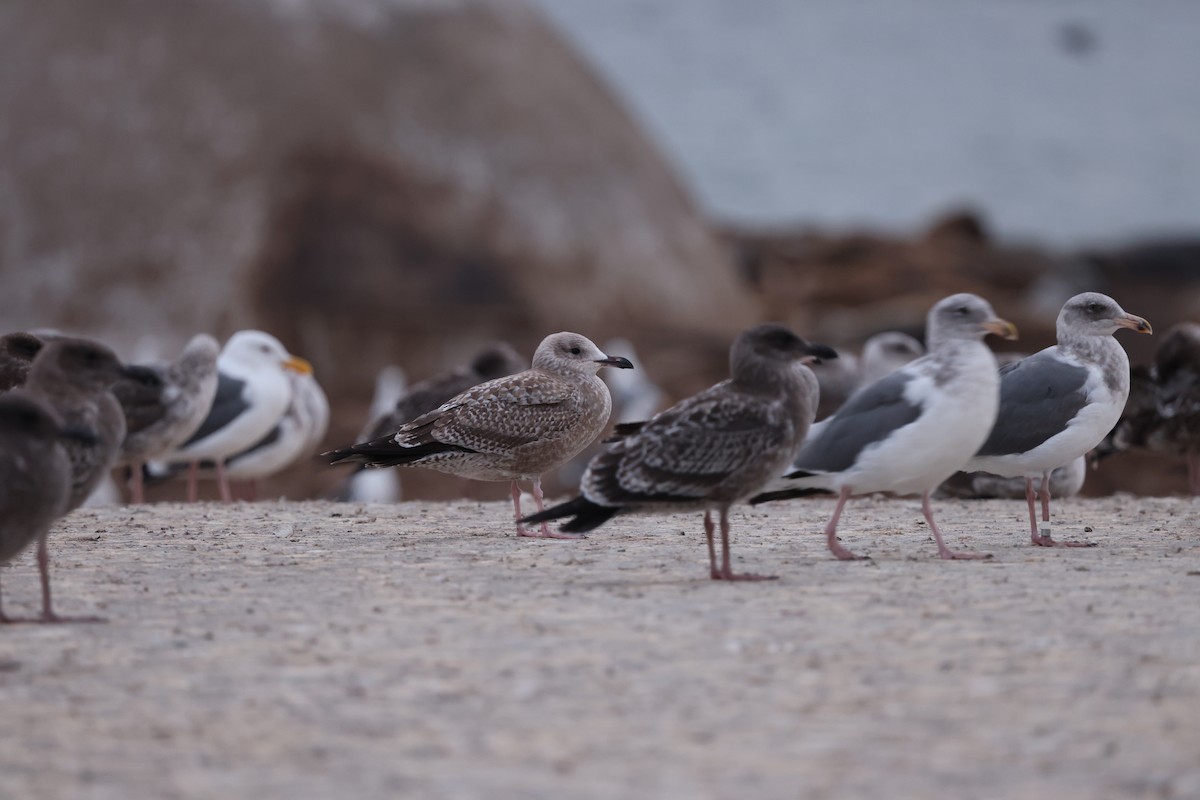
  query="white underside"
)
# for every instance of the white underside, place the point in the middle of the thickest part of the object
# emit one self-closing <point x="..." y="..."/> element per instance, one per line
<point x="954" y="423"/>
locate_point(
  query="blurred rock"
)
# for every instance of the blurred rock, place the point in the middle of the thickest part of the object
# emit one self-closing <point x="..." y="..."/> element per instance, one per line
<point x="374" y="181"/>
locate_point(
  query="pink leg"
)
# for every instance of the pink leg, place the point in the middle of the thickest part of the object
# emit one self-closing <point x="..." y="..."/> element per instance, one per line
<point x="1043" y="538"/>
<point x="193" y="482"/>
<point x="223" y="483"/>
<point x="545" y="532"/>
<point x="48" y="615"/>
<point x="943" y="551"/>
<point x="713" y="571"/>
<point x="727" y="573"/>
<point x="835" y="547"/>
<point x="4" y="619"/>
<point x="1030" y="498"/>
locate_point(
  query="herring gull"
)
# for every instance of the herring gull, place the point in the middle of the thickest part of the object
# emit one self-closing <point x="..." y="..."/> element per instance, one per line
<point x="908" y="431"/>
<point x="1060" y="402"/>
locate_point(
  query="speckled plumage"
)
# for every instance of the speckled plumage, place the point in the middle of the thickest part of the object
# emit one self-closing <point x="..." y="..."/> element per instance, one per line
<point x="494" y="361"/>
<point x="710" y="450"/>
<point x="511" y="428"/>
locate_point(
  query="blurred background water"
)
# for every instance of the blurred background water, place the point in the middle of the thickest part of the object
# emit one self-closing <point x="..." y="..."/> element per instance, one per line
<point x="1062" y="120"/>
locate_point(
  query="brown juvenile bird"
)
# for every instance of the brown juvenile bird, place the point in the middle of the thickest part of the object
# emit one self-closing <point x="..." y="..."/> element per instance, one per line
<point x="35" y="482"/>
<point x="73" y="377"/>
<point x="17" y="351"/>
<point x="711" y="450"/>
<point x="511" y="428"/>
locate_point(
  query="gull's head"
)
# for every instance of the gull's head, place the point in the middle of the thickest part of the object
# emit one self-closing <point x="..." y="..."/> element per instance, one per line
<point x="1095" y="314"/>
<point x="572" y="352"/>
<point x="965" y="316"/>
<point x="258" y="350"/>
<point x="763" y="355"/>
<point x="82" y="362"/>
<point x="771" y="342"/>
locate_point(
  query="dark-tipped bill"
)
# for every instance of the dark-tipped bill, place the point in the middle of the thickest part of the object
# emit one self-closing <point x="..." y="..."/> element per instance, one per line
<point x="1001" y="327"/>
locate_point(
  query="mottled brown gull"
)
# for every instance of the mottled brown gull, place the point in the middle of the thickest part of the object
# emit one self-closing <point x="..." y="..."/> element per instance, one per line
<point x="909" y="431"/>
<point x="74" y="377"/>
<point x="161" y="415"/>
<point x="1060" y="402"/>
<point x="710" y="450"/>
<point x="508" y="429"/>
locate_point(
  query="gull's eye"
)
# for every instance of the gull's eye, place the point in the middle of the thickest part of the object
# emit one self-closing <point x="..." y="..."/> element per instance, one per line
<point x="1095" y="308"/>
<point x="962" y="311"/>
<point x="575" y="351"/>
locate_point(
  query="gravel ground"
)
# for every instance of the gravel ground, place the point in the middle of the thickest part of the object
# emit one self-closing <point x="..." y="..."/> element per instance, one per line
<point x="316" y="650"/>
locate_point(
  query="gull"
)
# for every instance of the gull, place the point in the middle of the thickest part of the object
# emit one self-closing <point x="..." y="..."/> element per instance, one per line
<point x="74" y="376"/>
<point x="35" y="483"/>
<point x="912" y="429"/>
<point x="1060" y="402"/>
<point x="163" y="413"/>
<point x="508" y="429"/>
<point x="253" y="392"/>
<point x="711" y="450"/>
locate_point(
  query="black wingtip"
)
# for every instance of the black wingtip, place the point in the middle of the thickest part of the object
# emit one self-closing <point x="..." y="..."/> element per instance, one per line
<point x="785" y="494"/>
<point x="588" y="515"/>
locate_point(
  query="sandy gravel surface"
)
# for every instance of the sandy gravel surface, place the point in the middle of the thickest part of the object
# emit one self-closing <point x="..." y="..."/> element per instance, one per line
<point x="313" y="650"/>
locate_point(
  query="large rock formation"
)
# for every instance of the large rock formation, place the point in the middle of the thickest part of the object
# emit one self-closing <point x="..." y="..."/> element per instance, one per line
<point x="373" y="180"/>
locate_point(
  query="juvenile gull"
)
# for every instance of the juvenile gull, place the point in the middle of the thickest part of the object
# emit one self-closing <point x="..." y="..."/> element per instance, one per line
<point x="1060" y="402"/>
<point x="74" y="376"/>
<point x="912" y="429"/>
<point x="1162" y="414"/>
<point x="161" y="415"/>
<point x="511" y="428"/>
<point x="17" y="351"/>
<point x="710" y="450"/>
<point x="253" y="392"/>
<point x="35" y="482"/>
<point x="494" y="361"/>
